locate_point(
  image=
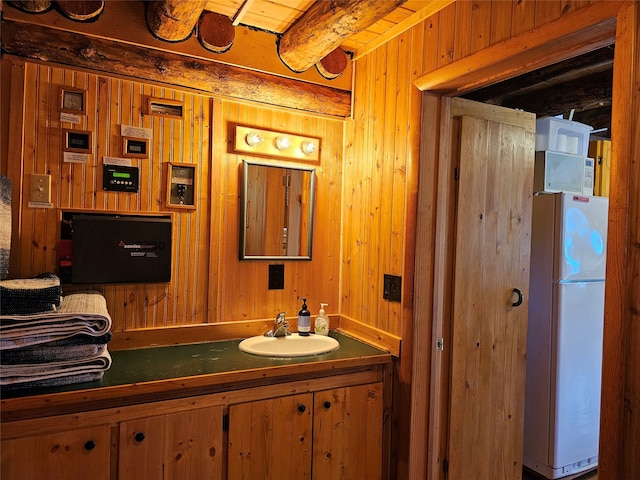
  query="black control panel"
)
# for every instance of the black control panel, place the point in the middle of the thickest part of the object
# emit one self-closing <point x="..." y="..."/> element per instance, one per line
<point x="120" y="178"/>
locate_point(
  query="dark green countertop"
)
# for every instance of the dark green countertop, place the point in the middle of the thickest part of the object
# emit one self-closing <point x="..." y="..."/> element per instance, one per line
<point x="151" y="364"/>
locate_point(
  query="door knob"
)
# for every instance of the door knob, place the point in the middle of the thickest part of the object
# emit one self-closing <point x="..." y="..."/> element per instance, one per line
<point x="519" y="297"/>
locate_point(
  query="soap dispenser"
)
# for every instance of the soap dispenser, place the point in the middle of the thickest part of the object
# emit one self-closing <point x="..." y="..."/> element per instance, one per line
<point x="322" y="321"/>
<point x="304" y="320"/>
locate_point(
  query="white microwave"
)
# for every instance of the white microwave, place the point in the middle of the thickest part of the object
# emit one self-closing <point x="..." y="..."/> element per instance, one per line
<point x="562" y="172"/>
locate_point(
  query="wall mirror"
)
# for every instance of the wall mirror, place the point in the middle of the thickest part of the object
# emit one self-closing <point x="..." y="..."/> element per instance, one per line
<point x="277" y="211"/>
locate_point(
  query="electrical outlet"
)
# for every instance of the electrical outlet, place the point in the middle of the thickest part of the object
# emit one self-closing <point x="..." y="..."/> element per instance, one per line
<point x="40" y="189"/>
<point x="392" y="289"/>
<point x="276" y="277"/>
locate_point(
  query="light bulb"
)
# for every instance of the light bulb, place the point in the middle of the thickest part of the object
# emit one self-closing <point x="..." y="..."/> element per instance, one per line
<point x="253" y="139"/>
<point x="308" y="147"/>
<point x="282" y="142"/>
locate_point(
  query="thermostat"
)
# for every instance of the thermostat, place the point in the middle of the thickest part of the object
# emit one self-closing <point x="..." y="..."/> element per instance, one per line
<point x="120" y="178"/>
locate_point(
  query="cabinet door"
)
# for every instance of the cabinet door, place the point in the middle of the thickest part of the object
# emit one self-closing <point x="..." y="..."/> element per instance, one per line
<point x="347" y="433"/>
<point x="181" y="446"/>
<point x="82" y="453"/>
<point x="271" y="439"/>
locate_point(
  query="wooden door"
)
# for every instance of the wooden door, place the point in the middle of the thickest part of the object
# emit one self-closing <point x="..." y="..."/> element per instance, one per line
<point x="81" y="453"/>
<point x="492" y="245"/>
<point x="347" y="433"/>
<point x="271" y="439"/>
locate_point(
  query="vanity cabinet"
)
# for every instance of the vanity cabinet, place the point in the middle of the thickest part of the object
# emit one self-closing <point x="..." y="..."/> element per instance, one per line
<point x="63" y="455"/>
<point x="324" y="418"/>
<point x="184" y="445"/>
<point x="328" y="434"/>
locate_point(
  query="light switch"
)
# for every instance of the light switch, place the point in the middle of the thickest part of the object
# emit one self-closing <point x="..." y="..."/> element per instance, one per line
<point x="40" y="189"/>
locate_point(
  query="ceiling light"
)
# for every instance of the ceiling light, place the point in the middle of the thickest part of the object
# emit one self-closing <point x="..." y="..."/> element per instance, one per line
<point x="253" y="139"/>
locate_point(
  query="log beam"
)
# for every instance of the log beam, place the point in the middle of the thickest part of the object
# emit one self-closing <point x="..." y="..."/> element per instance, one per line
<point x="219" y="79"/>
<point x="31" y="6"/>
<point x="334" y="64"/>
<point x="81" y="11"/>
<point x="216" y="32"/>
<point x="323" y="27"/>
<point x="173" y="20"/>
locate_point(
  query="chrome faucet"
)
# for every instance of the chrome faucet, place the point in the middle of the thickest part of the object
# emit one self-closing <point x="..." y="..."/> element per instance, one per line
<point x="280" y="327"/>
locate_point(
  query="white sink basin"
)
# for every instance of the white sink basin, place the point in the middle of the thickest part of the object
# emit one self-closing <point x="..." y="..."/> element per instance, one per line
<point x="289" y="346"/>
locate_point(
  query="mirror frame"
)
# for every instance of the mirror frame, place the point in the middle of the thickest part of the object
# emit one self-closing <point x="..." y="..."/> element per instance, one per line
<point x="244" y="211"/>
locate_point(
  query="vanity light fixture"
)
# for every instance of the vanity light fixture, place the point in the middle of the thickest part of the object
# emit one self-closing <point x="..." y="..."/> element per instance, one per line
<point x="282" y="142"/>
<point x="253" y="139"/>
<point x="276" y="144"/>
<point x="308" y="147"/>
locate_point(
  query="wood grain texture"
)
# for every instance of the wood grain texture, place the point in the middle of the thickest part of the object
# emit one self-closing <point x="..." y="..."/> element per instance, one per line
<point x="173" y="20"/>
<point x="324" y="26"/>
<point x="79" y="51"/>
<point x="619" y="425"/>
<point x="198" y="236"/>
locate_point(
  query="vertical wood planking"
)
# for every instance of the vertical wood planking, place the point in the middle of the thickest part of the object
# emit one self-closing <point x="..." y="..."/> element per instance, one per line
<point x="446" y="35"/>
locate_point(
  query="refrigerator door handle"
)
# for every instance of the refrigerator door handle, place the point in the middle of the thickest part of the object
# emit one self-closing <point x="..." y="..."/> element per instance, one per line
<point x="520" y="297"/>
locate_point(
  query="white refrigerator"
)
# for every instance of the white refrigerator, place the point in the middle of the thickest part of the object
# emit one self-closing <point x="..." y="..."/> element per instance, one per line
<point x="564" y="338"/>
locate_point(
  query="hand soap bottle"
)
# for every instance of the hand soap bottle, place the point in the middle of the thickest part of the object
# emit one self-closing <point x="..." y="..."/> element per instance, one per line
<point x="304" y="320"/>
<point x="322" y="321"/>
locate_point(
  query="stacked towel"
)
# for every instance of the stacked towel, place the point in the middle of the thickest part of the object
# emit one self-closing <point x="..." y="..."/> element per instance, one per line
<point x="24" y="296"/>
<point x="65" y="345"/>
<point x="5" y="225"/>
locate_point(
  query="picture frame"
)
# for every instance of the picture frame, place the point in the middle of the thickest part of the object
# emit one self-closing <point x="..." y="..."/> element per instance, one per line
<point x="135" y="147"/>
<point x="165" y="108"/>
<point x="77" y="141"/>
<point x="181" y="185"/>
<point x="73" y="100"/>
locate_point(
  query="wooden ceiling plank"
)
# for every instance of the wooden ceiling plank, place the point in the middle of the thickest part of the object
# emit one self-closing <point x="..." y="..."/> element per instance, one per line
<point x="432" y="8"/>
<point x="173" y="20"/>
<point x="237" y="18"/>
<point x="323" y="28"/>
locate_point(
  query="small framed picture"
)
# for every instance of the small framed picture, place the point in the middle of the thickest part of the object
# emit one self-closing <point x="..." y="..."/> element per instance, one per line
<point x="78" y="141"/>
<point x="135" y="147"/>
<point x="72" y="100"/>
<point x="165" y="108"/>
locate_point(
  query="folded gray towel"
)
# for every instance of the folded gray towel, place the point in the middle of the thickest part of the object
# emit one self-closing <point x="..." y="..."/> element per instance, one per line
<point x="79" y="314"/>
<point x="47" y="353"/>
<point x="10" y="374"/>
<point x="56" y="381"/>
<point x="27" y="296"/>
<point x="5" y="225"/>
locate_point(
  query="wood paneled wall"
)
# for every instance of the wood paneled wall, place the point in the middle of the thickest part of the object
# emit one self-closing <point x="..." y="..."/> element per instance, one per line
<point x="209" y="283"/>
<point x="381" y="169"/>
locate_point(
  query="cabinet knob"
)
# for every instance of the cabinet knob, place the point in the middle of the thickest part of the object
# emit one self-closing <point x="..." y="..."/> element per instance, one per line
<point x="89" y="445"/>
<point x="327" y="404"/>
<point x="139" y="437"/>
<point x="301" y="408"/>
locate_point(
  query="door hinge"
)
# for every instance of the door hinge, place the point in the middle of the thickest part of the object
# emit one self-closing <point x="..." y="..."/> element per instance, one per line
<point x="440" y="344"/>
<point x="456" y="174"/>
<point x="445" y="466"/>
<point x="225" y="422"/>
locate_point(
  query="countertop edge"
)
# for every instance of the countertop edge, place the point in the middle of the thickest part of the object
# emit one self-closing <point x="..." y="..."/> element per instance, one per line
<point x="20" y="408"/>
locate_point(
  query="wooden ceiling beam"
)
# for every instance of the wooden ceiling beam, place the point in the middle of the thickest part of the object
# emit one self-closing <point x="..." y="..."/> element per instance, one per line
<point x="325" y="25"/>
<point x="134" y="61"/>
<point x="31" y="6"/>
<point x="173" y="20"/>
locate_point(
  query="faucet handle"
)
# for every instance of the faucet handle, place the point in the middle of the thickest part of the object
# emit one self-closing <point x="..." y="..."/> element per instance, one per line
<point x="281" y="317"/>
